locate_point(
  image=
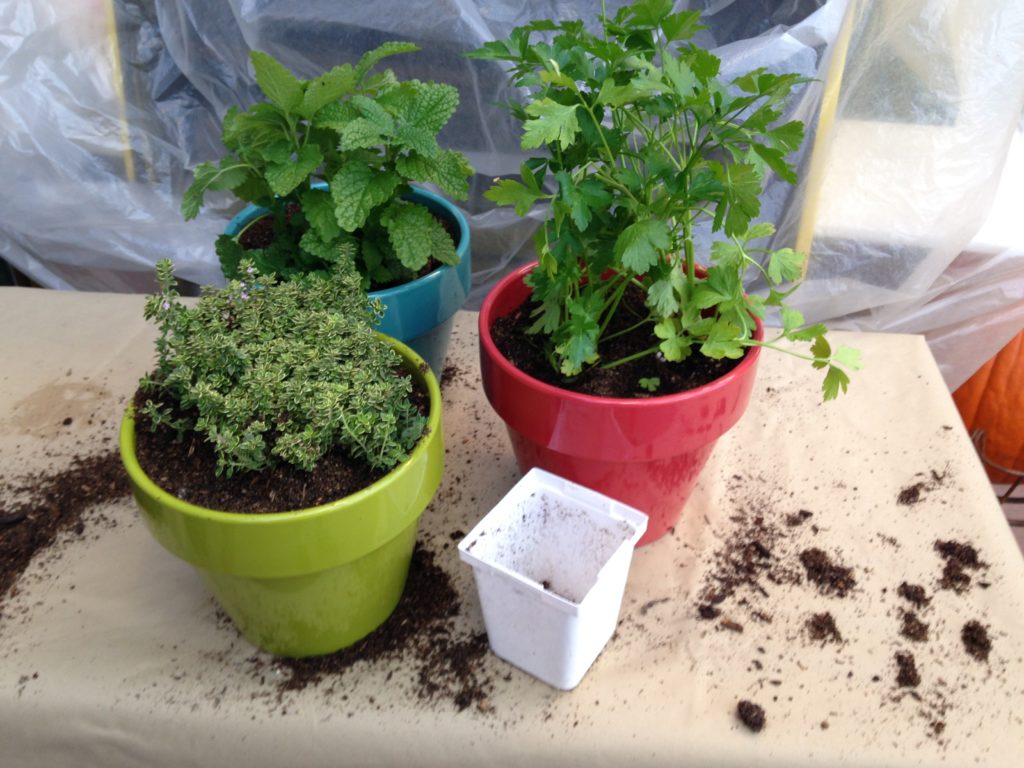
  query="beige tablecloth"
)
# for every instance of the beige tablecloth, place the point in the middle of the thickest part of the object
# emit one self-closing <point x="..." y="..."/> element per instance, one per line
<point x="112" y="653"/>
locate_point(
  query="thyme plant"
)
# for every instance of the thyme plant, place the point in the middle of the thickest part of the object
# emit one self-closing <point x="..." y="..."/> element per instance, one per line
<point x="368" y="136"/>
<point x="271" y="371"/>
<point x="643" y="141"/>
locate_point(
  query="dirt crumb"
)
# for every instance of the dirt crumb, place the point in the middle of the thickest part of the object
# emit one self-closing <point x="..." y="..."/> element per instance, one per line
<point x="751" y="715"/>
<point x="976" y="640"/>
<point x="831" y="578"/>
<point x="822" y="626"/>
<point x="907" y="675"/>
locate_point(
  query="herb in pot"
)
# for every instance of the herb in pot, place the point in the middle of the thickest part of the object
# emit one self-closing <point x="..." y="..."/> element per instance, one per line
<point x="273" y="371"/>
<point x="365" y="138"/>
<point x="644" y="141"/>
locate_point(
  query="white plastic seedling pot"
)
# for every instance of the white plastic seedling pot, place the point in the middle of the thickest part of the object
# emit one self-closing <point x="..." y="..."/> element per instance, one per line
<point x="550" y="563"/>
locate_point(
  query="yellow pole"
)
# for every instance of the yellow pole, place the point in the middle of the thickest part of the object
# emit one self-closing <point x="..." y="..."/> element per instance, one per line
<point x="826" y="119"/>
<point x="115" y="59"/>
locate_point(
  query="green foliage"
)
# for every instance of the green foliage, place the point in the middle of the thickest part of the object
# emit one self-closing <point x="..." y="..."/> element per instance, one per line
<point x="644" y="141"/>
<point x="369" y="137"/>
<point x="271" y="371"/>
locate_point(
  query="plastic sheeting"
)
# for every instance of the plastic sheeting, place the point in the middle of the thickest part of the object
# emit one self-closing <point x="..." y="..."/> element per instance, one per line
<point x="108" y="103"/>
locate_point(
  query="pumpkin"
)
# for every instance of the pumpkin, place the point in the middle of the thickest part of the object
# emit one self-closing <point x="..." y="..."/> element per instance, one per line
<point x="992" y="401"/>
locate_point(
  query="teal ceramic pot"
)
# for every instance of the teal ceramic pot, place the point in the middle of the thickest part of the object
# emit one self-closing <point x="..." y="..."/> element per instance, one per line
<point x="419" y="313"/>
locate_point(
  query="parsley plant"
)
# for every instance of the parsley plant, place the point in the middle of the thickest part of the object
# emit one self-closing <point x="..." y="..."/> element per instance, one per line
<point x="643" y="141"/>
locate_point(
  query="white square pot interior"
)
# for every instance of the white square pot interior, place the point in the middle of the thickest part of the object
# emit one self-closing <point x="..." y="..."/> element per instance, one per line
<point x="550" y="562"/>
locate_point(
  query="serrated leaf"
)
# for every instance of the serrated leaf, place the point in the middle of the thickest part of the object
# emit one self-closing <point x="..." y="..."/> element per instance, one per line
<point x="741" y="189"/>
<point x="835" y="380"/>
<point x="551" y="122"/>
<point x="759" y="230"/>
<point x="673" y="346"/>
<point x="642" y="244"/>
<point x="319" y="210"/>
<point x="648" y="13"/>
<point x="511" y="192"/>
<point x="335" y="116"/>
<point x="277" y="83"/>
<point x="283" y="178"/>
<point x="791" y="319"/>
<point x="727" y="254"/>
<point x="370" y="59"/>
<point x="432" y="105"/>
<point x="681" y="77"/>
<point x="617" y="95"/>
<point x="776" y="160"/>
<point x="449" y="171"/>
<point x="848" y="357"/>
<point x="314" y="244"/>
<point x="357" y="189"/>
<point x="580" y="346"/>
<point x="822" y="351"/>
<point x="723" y="341"/>
<point x="785" y="264"/>
<point x="360" y="134"/>
<point x="409" y="227"/>
<point x="327" y="88"/>
<point x="207" y="176"/>
<point x="681" y="26"/>
<point x="788" y="136"/>
<point x="661" y="297"/>
<point x="810" y="333"/>
<point x="230" y="254"/>
<point x="374" y="113"/>
<point x="417" y="139"/>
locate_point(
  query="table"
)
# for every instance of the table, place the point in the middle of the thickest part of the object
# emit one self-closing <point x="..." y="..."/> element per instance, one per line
<point x="113" y="654"/>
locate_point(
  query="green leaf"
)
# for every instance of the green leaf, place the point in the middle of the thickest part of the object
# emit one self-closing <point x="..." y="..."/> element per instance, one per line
<point x="791" y="319"/>
<point x="681" y="76"/>
<point x="642" y="244"/>
<point x="723" y="341"/>
<point x="449" y="171"/>
<point x="759" y="230"/>
<point x="277" y="83"/>
<point x="374" y="113"/>
<point x="649" y="13"/>
<point x="433" y="106"/>
<point x="580" y="348"/>
<point x="682" y="25"/>
<point x="661" y="296"/>
<point x="207" y="176"/>
<point x="230" y="253"/>
<point x="511" y="192"/>
<point x="835" y="379"/>
<point x="370" y="59"/>
<point x="410" y="229"/>
<point x="335" y="116"/>
<point x="327" y="88"/>
<point x="776" y="160"/>
<point x="417" y="139"/>
<point x="285" y="177"/>
<point x="785" y="264"/>
<point x="357" y="189"/>
<point x="360" y="134"/>
<point x="788" y="136"/>
<point x="551" y="123"/>
<point x="314" y="244"/>
<point x="319" y="210"/>
<point x="848" y="357"/>
<point x="822" y="351"/>
<point x="741" y="189"/>
<point x="674" y="347"/>
<point x="727" y="254"/>
<point x="649" y="384"/>
<point x="810" y="333"/>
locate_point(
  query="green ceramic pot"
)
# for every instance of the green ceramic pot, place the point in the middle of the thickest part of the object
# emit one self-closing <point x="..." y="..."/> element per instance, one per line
<point x="310" y="581"/>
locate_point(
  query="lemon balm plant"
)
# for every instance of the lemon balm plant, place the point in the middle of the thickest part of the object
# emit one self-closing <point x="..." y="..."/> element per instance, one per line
<point x="366" y="137"/>
<point x="643" y="141"/>
<point x="247" y="448"/>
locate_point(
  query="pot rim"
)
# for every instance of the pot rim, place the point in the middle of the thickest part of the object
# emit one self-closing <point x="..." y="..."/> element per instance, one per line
<point x="429" y="199"/>
<point x="345" y="503"/>
<point x="486" y="319"/>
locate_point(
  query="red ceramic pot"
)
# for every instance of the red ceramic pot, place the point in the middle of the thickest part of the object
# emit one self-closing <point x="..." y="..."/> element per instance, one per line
<point x="644" y="452"/>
